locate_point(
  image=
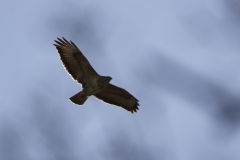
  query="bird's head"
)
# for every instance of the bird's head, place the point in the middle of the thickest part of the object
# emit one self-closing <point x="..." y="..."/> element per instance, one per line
<point x="104" y="80"/>
<point x="108" y="78"/>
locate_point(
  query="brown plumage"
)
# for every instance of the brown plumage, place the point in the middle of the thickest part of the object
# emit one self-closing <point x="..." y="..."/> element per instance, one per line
<point x="80" y="69"/>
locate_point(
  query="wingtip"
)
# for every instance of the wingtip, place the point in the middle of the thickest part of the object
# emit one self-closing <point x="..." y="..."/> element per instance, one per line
<point x="134" y="110"/>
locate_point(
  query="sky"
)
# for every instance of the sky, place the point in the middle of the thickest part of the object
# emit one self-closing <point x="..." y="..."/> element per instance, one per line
<point x="179" y="58"/>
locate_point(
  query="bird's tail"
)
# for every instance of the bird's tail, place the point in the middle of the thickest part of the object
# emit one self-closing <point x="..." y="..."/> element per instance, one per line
<point x="78" y="98"/>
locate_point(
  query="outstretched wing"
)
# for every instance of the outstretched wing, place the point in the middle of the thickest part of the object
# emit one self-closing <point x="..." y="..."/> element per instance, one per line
<point x="119" y="97"/>
<point x="74" y="61"/>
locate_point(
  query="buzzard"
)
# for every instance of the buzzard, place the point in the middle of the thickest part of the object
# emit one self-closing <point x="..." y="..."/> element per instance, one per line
<point x="80" y="69"/>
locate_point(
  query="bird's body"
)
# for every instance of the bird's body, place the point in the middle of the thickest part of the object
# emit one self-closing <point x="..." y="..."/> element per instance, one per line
<point x="92" y="83"/>
<point x="95" y="86"/>
<point x="91" y="88"/>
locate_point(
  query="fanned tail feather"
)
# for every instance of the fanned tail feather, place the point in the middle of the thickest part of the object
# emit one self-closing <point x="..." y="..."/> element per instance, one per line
<point x="78" y="99"/>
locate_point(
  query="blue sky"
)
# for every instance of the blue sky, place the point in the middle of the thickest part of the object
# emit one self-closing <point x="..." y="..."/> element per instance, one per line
<point x="179" y="58"/>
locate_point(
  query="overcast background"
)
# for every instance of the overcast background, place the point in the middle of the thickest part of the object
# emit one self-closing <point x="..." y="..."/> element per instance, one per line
<point x="181" y="59"/>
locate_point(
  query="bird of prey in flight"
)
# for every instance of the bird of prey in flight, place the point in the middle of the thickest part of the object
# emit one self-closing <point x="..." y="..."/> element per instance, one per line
<point x="80" y="69"/>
